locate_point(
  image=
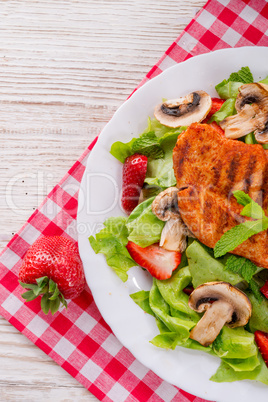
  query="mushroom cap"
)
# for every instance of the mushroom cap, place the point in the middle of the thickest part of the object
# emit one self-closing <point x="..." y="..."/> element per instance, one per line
<point x="165" y="204"/>
<point x="251" y="93"/>
<point x="184" y="111"/>
<point x="201" y="298"/>
<point x="252" y="107"/>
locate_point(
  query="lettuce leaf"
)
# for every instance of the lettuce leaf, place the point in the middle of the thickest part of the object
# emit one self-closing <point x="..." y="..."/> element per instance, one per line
<point x="143" y="226"/>
<point x="141" y="298"/>
<point x="159" y="129"/>
<point x="229" y="88"/>
<point x="121" y="150"/>
<point x="148" y="143"/>
<point x="205" y="268"/>
<point x="235" y="343"/>
<point x="172" y="292"/>
<point x="259" y="316"/>
<point x="226" y="373"/>
<point x="264" y="81"/>
<point x="111" y="242"/>
<point x="160" y="171"/>
<point x="227" y="109"/>
<point x="162" y="311"/>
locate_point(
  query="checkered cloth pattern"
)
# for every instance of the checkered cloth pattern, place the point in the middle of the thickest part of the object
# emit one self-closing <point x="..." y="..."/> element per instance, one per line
<point x="78" y="339"/>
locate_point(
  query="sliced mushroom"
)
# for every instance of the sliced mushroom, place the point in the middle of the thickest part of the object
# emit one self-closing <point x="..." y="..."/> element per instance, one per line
<point x="252" y="108"/>
<point x="223" y="304"/>
<point x="173" y="235"/>
<point x="165" y="204"/>
<point x="165" y="207"/>
<point x="184" y="111"/>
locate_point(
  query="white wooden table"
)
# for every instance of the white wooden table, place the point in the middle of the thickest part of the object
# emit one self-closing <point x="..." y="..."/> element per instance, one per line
<point x="65" y="67"/>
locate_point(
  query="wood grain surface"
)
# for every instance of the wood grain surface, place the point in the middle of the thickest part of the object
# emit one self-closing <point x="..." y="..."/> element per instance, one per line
<point x="65" y="67"/>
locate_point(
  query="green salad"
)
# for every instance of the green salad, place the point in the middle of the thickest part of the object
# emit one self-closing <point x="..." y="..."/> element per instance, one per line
<point x="168" y="299"/>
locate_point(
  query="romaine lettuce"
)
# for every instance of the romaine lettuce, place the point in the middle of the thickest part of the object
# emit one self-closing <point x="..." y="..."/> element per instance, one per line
<point x="226" y="373"/>
<point x="141" y="298"/>
<point x="148" y="143"/>
<point x="162" y="311"/>
<point x="143" y="226"/>
<point x="205" y="268"/>
<point x="259" y="316"/>
<point x="160" y="171"/>
<point x="227" y="109"/>
<point x="227" y="90"/>
<point x="111" y="242"/>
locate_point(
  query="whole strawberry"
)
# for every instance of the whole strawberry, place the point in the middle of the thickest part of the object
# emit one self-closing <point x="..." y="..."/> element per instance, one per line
<point x="52" y="268"/>
<point x="134" y="173"/>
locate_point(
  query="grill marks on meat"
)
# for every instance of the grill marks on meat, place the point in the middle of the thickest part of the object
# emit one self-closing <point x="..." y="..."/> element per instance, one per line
<point x="208" y="168"/>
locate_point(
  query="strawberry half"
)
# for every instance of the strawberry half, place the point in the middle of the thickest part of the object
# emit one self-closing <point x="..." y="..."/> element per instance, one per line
<point x="134" y="173"/>
<point x="264" y="289"/>
<point x="215" y="107"/>
<point x="217" y="127"/>
<point x="52" y="269"/>
<point x="158" y="261"/>
<point x="261" y="338"/>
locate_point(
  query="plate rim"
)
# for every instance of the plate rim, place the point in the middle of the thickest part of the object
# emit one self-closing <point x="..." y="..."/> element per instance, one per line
<point x="102" y="135"/>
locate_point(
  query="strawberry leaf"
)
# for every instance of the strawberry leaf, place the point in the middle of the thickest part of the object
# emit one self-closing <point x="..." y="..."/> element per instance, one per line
<point x="63" y="301"/>
<point x="45" y="303"/>
<point x="29" y="295"/>
<point x="55" y="294"/>
<point x="27" y="285"/>
<point x="54" y="305"/>
<point x="51" y="297"/>
<point x="52" y="286"/>
<point x="42" y="280"/>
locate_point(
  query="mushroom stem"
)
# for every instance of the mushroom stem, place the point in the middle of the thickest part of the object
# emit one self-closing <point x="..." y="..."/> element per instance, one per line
<point x="210" y="325"/>
<point x="173" y="237"/>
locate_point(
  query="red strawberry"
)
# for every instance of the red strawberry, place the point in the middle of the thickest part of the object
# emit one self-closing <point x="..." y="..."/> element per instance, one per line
<point x="158" y="261"/>
<point x="217" y="128"/>
<point x="264" y="289"/>
<point x="134" y="172"/>
<point x="261" y="338"/>
<point x="52" y="268"/>
<point x="216" y="105"/>
<point x="188" y="290"/>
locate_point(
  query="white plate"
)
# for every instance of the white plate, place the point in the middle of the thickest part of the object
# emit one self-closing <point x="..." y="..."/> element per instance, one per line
<point x="99" y="198"/>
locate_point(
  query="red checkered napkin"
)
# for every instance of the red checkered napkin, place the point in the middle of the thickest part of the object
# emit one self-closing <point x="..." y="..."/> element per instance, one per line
<point x="78" y="339"/>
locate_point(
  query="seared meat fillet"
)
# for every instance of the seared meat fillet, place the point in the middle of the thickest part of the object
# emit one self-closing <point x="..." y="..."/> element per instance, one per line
<point x="208" y="168"/>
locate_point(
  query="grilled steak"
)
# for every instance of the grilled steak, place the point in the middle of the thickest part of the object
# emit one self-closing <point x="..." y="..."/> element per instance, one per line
<point x="208" y="168"/>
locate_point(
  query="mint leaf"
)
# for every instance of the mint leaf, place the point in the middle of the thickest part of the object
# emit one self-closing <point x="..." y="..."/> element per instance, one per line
<point x="237" y="235"/>
<point x="148" y="145"/>
<point x="241" y="266"/>
<point x="243" y="75"/>
<point x="252" y="209"/>
<point x="240" y="233"/>
<point x="242" y="198"/>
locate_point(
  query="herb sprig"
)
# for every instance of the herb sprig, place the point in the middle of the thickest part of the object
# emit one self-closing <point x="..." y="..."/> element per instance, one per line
<point x="238" y="234"/>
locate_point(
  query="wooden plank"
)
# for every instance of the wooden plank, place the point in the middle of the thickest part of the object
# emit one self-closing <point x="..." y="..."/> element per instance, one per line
<point x="65" y="67"/>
